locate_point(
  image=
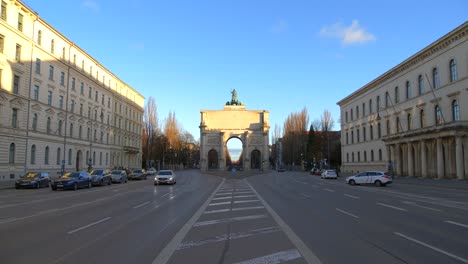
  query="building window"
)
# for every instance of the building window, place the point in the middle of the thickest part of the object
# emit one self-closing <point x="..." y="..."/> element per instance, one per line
<point x="365" y="156"/>
<point x="95" y="114"/>
<point x="73" y="83"/>
<point x="51" y="72"/>
<point x="397" y="95"/>
<point x="52" y="46"/>
<point x="3" y="11"/>
<point x="14" y="118"/>
<point x="82" y="88"/>
<point x="359" y="156"/>
<point x="438" y="115"/>
<point x="372" y="155"/>
<point x="96" y="96"/>
<point x="455" y="111"/>
<point x="377" y="101"/>
<point x="108" y="102"/>
<point x="48" y="125"/>
<point x="410" y="122"/>
<point x="87" y="156"/>
<point x="71" y="130"/>
<point x="347" y="157"/>
<point x="38" y="65"/>
<point x="94" y="157"/>
<point x="453" y="70"/>
<point x="397" y="124"/>
<point x="102" y="99"/>
<point x="387" y="99"/>
<point x="435" y="78"/>
<point x="20" y="22"/>
<point x="80" y="132"/>
<point x="34" y="122"/>
<point x="60" y="127"/>
<point x="72" y="106"/>
<point x="46" y="156"/>
<point x="49" y="97"/>
<point x="379" y="131"/>
<point x="36" y="92"/>
<point x="89" y="92"/>
<point x="33" y="154"/>
<point x="58" y="156"/>
<point x="107" y="159"/>
<point x="371" y="128"/>
<point x="61" y="101"/>
<point x="62" y="79"/>
<point x="70" y="157"/>
<point x="352" y="157"/>
<point x="347" y="138"/>
<point x="39" y="37"/>
<point x="352" y="116"/>
<point x="352" y="137"/>
<point x="2" y="43"/>
<point x="420" y="84"/>
<point x="364" y="134"/>
<point x="12" y="154"/>
<point x="357" y="135"/>
<point x="88" y="134"/>
<point x="408" y="90"/>
<point x="388" y="127"/>
<point x="81" y="109"/>
<point x="16" y="80"/>
<point x="346" y="116"/>
<point x="380" y="154"/>
<point x="100" y="158"/>
<point x="18" y="52"/>
<point x="363" y="109"/>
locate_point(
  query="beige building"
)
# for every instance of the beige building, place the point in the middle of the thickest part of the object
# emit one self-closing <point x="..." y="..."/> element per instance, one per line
<point x="58" y="104"/>
<point x="413" y="119"/>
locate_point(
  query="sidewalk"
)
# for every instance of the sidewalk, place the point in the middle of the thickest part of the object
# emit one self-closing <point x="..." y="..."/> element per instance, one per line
<point x="8" y="184"/>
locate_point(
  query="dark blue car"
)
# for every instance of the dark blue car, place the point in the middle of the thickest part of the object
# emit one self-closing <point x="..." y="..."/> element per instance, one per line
<point x="73" y="181"/>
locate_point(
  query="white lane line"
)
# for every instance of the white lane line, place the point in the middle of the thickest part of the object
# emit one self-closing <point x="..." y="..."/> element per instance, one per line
<point x="234" y="209"/>
<point x="421" y="206"/>
<point x="140" y="205"/>
<point x="351" y="196"/>
<point x="222" y="198"/>
<point x="244" y="196"/>
<point x="306" y="253"/>
<point x="223" y="193"/>
<point x="330" y="190"/>
<point x="246" y="201"/>
<point x="231" y="236"/>
<point x="455" y="223"/>
<point x="213" y="204"/>
<point x="167" y="252"/>
<point x="86" y="226"/>
<point x="350" y="214"/>
<point x="243" y="192"/>
<point x="393" y="207"/>
<point x="228" y="220"/>
<point x="278" y="257"/>
<point x="432" y="247"/>
<point x="7" y="220"/>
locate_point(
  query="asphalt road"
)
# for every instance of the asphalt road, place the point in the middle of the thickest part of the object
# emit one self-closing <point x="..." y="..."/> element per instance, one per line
<point x="287" y="217"/>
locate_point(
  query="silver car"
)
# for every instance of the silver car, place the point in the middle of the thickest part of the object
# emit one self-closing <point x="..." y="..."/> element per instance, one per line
<point x="119" y="176"/>
<point x="329" y="174"/>
<point x="378" y="178"/>
<point x="165" y="176"/>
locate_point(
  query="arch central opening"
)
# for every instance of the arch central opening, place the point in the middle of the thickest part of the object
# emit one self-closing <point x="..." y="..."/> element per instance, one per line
<point x="234" y="151"/>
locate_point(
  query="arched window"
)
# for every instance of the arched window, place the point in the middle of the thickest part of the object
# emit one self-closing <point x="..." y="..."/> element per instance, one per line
<point x="408" y="90"/>
<point x="453" y="70"/>
<point x="422" y="118"/>
<point x="58" y="156"/>
<point x="397" y="95"/>
<point x="48" y="125"/>
<point x="34" y="122"/>
<point x="11" y="156"/>
<point x="435" y="78"/>
<point x="410" y="121"/>
<point x="438" y="115"/>
<point x="46" y="156"/>
<point x="39" y="37"/>
<point x="420" y="84"/>
<point x="33" y="154"/>
<point x="455" y="111"/>
<point x="70" y="157"/>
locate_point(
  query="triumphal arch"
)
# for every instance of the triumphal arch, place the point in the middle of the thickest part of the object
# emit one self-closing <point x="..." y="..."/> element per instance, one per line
<point x="217" y="127"/>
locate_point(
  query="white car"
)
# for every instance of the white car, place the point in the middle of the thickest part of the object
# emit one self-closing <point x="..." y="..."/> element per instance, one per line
<point x="165" y="176"/>
<point x="378" y="178"/>
<point x="151" y="171"/>
<point x="329" y="174"/>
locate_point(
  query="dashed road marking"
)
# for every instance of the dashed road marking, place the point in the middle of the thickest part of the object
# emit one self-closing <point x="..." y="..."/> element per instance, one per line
<point x="393" y="207"/>
<point x="278" y="257"/>
<point x="350" y="214"/>
<point x="455" y="223"/>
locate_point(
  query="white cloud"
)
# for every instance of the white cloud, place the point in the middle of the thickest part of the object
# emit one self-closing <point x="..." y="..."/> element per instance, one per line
<point x="280" y="27"/>
<point x="92" y="5"/>
<point x="352" y="34"/>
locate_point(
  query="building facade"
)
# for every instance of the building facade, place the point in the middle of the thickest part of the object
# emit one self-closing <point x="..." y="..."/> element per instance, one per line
<point x="59" y="107"/>
<point x="413" y="119"/>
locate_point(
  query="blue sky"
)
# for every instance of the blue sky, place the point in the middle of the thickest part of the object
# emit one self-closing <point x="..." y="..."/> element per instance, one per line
<point x="279" y="55"/>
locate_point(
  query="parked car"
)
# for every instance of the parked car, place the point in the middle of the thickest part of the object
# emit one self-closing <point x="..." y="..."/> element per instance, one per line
<point x="137" y="174"/>
<point x="281" y="169"/>
<point x="329" y="174"/>
<point x="378" y="178"/>
<point x="315" y="171"/>
<point x="33" y="180"/>
<point x="165" y="176"/>
<point x="151" y="172"/>
<point x="101" y="177"/>
<point x="72" y="181"/>
<point x="119" y="176"/>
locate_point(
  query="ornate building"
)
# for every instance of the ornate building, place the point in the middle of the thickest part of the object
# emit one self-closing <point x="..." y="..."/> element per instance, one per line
<point x="413" y="119"/>
<point x="58" y="105"/>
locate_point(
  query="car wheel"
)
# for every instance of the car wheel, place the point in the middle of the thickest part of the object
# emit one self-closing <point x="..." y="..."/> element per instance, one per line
<point x="352" y="182"/>
<point x="75" y="186"/>
<point x="378" y="183"/>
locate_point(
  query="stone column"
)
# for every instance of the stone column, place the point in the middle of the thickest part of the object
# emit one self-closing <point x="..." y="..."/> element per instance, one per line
<point x="423" y="159"/>
<point x="466" y="157"/>
<point x="397" y="161"/>
<point x="440" y="159"/>
<point x="410" y="159"/>
<point x="459" y="157"/>
<point x="222" y="160"/>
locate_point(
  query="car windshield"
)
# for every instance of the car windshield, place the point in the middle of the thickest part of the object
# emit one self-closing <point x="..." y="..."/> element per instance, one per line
<point x="117" y="172"/>
<point x="136" y="171"/>
<point x="31" y="175"/>
<point x="164" y="173"/>
<point x="96" y="172"/>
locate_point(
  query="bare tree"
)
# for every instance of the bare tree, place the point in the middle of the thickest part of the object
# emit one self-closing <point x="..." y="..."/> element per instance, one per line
<point x="151" y="127"/>
<point x="295" y="137"/>
<point x="327" y="124"/>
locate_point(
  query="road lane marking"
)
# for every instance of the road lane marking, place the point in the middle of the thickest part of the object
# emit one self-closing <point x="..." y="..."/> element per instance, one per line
<point x="221" y="203"/>
<point x="350" y="214"/>
<point x="432" y="247"/>
<point x="307" y="254"/>
<point x="231" y="236"/>
<point x="351" y="196"/>
<point x="167" y="252"/>
<point x="246" y="201"/>
<point x="221" y="198"/>
<point x="278" y="257"/>
<point x="86" y="226"/>
<point x="330" y="190"/>
<point x="234" y="209"/>
<point x="229" y="220"/>
<point x="393" y="207"/>
<point x="421" y="206"/>
<point x="7" y="220"/>
<point x="140" y="205"/>
<point x="455" y="223"/>
<point x="244" y="196"/>
<point x="246" y="192"/>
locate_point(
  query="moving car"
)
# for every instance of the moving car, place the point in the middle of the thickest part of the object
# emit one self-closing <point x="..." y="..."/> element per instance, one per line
<point x="378" y="178"/>
<point x="33" y="180"/>
<point x="165" y="176"/>
<point x="100" y="177"/>
<point x="329" y="174"/>
<point x="119" y="176"/>
<point x="151" y="171"/>
<point x="72" y="181"/>
<point x="137" y="174"/>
